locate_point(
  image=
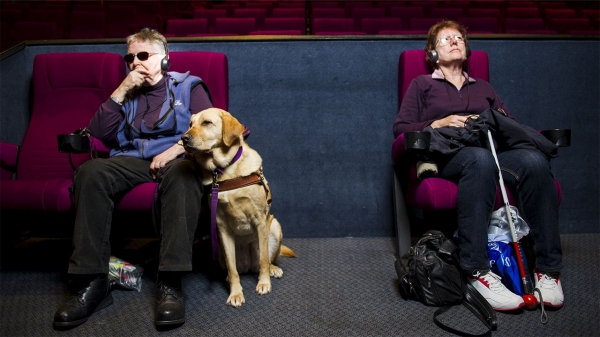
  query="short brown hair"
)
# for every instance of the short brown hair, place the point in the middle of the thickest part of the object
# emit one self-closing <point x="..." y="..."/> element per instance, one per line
<point x="435" y="29"/>
<point x="149" y="35"/>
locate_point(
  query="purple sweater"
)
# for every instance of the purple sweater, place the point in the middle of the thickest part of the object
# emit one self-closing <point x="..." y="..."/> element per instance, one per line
<point x="431" y="97"/>
<point x="105" y="123"/>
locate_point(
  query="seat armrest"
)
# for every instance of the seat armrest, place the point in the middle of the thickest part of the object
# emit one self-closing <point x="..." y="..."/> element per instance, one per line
<point x="410" y="141"/>
<point x="560" y="137"/>
<point x="8" y="159"/>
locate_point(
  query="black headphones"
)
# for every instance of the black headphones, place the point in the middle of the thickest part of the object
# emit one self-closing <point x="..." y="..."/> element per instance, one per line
<point x="432" y="55"/>
<point x="165" y="63"/>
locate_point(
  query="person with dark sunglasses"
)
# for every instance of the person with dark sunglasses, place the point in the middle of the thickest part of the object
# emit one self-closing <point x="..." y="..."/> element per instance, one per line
<point x="142" y="122"/>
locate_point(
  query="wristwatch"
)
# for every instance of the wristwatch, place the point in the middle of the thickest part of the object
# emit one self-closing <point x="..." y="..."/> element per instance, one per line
<point x="116" y="100"/>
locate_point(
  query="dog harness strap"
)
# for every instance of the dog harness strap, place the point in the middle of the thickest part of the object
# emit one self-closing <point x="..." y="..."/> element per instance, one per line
<point x="240" y="182"/>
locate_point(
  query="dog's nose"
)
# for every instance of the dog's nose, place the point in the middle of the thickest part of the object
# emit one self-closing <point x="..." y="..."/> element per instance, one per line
<point x="185" y="138"/>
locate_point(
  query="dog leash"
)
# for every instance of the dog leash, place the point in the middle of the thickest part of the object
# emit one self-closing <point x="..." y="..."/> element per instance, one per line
<point x="213" y="205"/>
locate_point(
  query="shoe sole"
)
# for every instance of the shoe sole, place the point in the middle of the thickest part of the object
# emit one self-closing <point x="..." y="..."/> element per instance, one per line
<point x="173" y="322"/>
<point x="511" y="309"/>
<point x="105" y="303"/>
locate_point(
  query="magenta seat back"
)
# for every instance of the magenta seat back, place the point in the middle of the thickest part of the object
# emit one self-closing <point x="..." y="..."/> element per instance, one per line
<point x="184" y="27"/>
<point x="333" y="25"/>
<point x="285" y="24"/>
<point x="211" y="67"/>
<point x="412" y="63"/>
<point x="239" y="26"/>
<point x="68" y="88"/>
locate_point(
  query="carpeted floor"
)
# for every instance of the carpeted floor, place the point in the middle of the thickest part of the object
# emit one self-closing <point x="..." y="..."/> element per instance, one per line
<point x="334" y="287"/>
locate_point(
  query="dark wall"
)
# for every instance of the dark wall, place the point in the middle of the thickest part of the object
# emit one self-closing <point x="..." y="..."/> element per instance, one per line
<point x="321" y="114"/>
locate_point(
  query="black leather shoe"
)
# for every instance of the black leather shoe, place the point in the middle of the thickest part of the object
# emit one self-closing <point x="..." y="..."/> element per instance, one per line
<point x="89" y="299"/>
<point x="170" y="304"/>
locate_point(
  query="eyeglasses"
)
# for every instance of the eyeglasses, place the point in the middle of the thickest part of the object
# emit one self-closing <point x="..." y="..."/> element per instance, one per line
<point x="442" y="41"/>
<point x="142" y="56"/>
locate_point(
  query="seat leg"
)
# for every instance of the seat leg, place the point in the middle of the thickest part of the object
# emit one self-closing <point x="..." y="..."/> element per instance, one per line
<point x="403" y="238"/>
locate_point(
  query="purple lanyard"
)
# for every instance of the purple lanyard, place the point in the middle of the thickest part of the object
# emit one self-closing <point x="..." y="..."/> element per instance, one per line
<point x="213" y="205"/>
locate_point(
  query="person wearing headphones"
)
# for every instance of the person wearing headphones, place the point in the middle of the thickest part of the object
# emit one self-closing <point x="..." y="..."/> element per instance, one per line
<point x="142" y="122"/>
<point x="447" y="98"/>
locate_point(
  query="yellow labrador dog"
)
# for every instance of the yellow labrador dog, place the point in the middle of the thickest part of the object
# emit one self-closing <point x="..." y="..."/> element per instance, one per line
<point x="250" y="237"/>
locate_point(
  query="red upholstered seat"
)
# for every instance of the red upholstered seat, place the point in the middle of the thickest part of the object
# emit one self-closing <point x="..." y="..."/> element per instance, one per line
<point x="63" y="103"/>
<point x="429" y="194"/>
<point x="239" y="26"/>
<point x="285" y="24"/>
<point x="185" y="27"/>
<point x="376" y="25"/>
<point x="87" y="24"/>
<point x="332" y="25"/>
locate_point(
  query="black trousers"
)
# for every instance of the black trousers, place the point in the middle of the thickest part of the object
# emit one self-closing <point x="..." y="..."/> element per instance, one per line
<point x="96" y="184"/>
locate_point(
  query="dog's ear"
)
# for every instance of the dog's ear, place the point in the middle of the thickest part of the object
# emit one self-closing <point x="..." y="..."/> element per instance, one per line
<point x="232" y="129"/>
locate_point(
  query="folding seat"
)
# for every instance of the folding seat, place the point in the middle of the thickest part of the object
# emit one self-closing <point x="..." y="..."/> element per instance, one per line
<point x="528" y="4"/>
<point x="358" y="13"/>
<point x="375" y="26"/>
<point x="324" y="4"/>
<point x="407" y="13"/>
<point x="211" y="15"/>
<point x="484" y="13"/>
<point x="333" y="25"/>
<point x="388" y="5"/>
<point x="63" y="101"/>
<point x="277" y="32"/>
<point x="119" y="20"/>
<point x="86" y="25"/>
<point x="239" y="26"/>
<point x="564" y="25"/>
<point x="291" y="4"/>
<point x="551" y="14"/>
<point x="522" y="24"/>
<point x="185" y="27"/>
<point x="423" y="23"/>
<point x="349" y="6"/>
<point x="480" y="25"/>
<point x="259" y="14"/>
<point x="447" y="13"/>
<point x="318" y="13"/>
<point x="28" y="30"/>
<point x="404" y="32"/>
<point x="288" y="13"/>
<point x="431" y="194"/>
<point x="229" y="7"/>
<point x="266" y="5"/>
<point x="285" y="24"/>
<point x="523" y="13"/>
<point x="58" y="16"/>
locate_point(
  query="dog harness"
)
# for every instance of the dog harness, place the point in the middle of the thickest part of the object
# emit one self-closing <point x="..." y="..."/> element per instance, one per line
<point x="228" y="185"/>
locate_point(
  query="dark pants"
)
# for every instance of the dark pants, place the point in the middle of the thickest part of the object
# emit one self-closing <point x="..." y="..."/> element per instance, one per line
<point x="528" y="175"/>
<point x="99" y="181"/>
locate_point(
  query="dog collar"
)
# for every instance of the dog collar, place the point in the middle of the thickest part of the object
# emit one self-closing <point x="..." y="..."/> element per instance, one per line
<point x="235" y="158"/>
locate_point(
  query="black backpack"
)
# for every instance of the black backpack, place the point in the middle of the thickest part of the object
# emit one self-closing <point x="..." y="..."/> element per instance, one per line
<point x="429" y="272"/>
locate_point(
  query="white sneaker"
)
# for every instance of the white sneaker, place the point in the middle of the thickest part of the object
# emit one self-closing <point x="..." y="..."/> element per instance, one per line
<point x="491" y="288"/>
<point x="550" y="286"/>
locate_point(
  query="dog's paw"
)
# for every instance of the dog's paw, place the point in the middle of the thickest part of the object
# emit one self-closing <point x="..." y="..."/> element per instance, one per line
<point x="275" y="271"/>
<point x="236" y="300"/>
<point x="263" y="288"/>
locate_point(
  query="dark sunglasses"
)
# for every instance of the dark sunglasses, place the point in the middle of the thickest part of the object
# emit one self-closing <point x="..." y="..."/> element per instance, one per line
<point x="142" y="56"/>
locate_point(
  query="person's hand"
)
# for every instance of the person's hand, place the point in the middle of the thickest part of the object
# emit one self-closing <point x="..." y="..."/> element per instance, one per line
<point x="452" y="120"/>
<point x="162" y="159"/>
<point x="134" y="80"/>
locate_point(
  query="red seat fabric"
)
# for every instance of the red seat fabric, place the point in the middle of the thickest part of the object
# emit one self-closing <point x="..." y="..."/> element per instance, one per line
<point x="185" y="27"/>
<point x="480" y="24"/>
<point x="375" y="26"/>
<point x="406" y="13"/>
<point x="564" y="25"/>
<point x="259" y="14"/>
<point x="447" y="13"/>
<point x="332" y="25"/>
<point x="29" y="30"/>
<point x="524" y="24"/>
<point x="277" y="32"/>
<point x="285" y="24"/>
<point x="318" y="13"/>
<point x="87" y="25"/>
<point x="63" y="101"/>
<point x="211" y="15"/>
<point x="288" y="13"/>
<point x="239" y="26"/>
<point x="359" y="13"/>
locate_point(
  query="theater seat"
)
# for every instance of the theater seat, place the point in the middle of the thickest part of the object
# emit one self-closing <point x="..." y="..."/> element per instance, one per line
<point x="63" y="101"/>
<point x="36" y="176"/>
<point x="431" y="194"/>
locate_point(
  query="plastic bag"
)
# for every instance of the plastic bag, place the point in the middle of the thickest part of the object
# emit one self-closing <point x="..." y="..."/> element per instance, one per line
<point x="124" y="274"/>
<point x="499" y="229"/>
<point x="504" y="264"/>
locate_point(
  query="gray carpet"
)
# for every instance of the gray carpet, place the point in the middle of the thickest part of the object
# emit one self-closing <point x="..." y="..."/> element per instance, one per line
<point x="334" y="287"/>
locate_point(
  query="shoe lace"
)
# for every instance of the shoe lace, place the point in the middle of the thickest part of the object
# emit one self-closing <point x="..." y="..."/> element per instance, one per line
<point x="547" y="281"/>
<point x="493" y="281"/>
